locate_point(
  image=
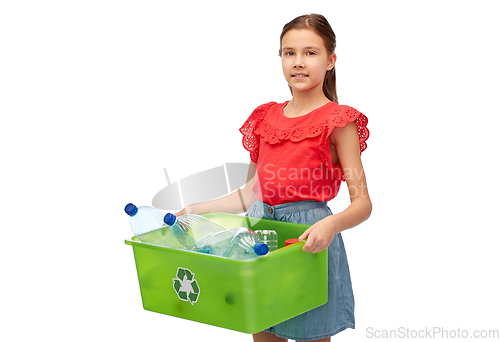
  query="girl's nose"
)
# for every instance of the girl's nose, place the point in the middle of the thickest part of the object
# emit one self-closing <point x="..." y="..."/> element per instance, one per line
<point x="298" y="64"/>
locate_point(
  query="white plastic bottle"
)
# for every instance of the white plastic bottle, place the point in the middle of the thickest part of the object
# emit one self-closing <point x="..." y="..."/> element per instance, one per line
<point x="189" y="228"/>
<point x="237" y="243"/>
<point x="147" y="225"/>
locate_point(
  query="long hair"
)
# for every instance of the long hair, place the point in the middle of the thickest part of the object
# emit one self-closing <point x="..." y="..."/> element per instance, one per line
<point x="320" y="25"/>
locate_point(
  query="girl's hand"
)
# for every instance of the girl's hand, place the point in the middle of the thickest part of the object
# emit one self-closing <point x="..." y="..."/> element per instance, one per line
<point x="182" y="212"/>
<point x="187" y="210"/>
<point x="319" y="236"/>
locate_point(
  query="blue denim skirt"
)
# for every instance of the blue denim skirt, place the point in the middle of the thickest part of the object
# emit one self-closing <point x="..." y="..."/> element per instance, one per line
<point x="338" y="313"/>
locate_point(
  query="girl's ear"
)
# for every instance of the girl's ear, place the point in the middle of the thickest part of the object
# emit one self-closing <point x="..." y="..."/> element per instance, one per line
<point x="331" y="61"/>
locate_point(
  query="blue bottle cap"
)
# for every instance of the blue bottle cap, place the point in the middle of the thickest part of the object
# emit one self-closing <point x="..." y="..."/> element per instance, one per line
<point x="170" y="219"/>
<point x="261" y="248"/>
<point x="131" y="209"/>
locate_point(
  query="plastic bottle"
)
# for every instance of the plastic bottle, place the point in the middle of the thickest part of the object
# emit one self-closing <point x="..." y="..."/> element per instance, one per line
<point x="147" y="225"/>
<point x="269" y="237"/>
<point x="237" y="243"/>
<point x="189" y="228"/>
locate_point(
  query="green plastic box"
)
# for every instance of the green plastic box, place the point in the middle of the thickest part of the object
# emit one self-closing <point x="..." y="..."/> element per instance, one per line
<point x="243" y="295"/>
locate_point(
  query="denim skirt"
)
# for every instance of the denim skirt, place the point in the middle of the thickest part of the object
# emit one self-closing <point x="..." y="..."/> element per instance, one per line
<point x="338" y="313"/>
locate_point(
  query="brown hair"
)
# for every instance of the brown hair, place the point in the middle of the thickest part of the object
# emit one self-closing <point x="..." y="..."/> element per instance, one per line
<point x="320" y="25"/>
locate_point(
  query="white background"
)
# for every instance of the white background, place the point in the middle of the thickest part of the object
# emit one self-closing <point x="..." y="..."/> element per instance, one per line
<point x="97" y="97"/>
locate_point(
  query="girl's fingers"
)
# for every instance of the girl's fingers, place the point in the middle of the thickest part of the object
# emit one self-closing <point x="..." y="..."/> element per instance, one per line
<point x="309" y="245"/>
<point x="182" y="212"/>
<point x="304" y="235"/>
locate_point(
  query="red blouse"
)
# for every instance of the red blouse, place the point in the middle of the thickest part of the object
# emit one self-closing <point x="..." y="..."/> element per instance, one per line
<point x="293" y="154"/>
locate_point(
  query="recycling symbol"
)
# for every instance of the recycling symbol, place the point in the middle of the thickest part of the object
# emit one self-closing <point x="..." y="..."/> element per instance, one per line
<point x="186" y="286"/>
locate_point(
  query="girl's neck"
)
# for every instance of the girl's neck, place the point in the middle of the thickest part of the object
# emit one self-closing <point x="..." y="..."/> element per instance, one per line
<point x="302" y="103"/>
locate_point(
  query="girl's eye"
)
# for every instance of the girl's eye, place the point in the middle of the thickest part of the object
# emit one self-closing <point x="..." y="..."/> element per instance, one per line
<point x="289" y="53"/>
<point x="310" y="53"/>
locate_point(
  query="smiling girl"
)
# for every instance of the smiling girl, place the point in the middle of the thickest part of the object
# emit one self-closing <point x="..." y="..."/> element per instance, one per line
<point x="301" y="151"/>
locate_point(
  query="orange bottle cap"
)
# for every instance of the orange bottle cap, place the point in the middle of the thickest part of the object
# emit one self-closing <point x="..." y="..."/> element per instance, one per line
<point x="291" y="241"/>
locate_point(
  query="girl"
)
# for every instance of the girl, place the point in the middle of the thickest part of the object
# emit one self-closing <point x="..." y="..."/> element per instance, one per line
<point x="301" y="151"/>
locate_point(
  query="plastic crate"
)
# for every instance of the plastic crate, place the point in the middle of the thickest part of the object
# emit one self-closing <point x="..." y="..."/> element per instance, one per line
<point x="243" y="295"/>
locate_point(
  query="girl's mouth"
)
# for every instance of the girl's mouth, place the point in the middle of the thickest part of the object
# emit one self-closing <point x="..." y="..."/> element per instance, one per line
<point x="300" y="75"/>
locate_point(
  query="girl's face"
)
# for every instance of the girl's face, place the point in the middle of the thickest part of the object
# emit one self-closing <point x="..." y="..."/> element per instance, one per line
<point x="305" y="60"/>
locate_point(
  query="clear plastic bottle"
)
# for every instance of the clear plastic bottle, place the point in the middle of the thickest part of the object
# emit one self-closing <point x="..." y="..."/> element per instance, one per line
<point x="237" y="243"/>
<point x="147" y="225"/>
<point x="189" y="228"/>
<point x="269" y="237"/>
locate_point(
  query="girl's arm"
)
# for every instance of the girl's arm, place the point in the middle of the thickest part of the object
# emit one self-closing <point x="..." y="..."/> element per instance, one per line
<point x="234" y="203"/>
<point x="320" y="234"/>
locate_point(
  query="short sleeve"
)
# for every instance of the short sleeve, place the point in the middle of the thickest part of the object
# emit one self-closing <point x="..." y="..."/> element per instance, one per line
<point x="251" y="140"/>
<point x="339" y="117"/>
